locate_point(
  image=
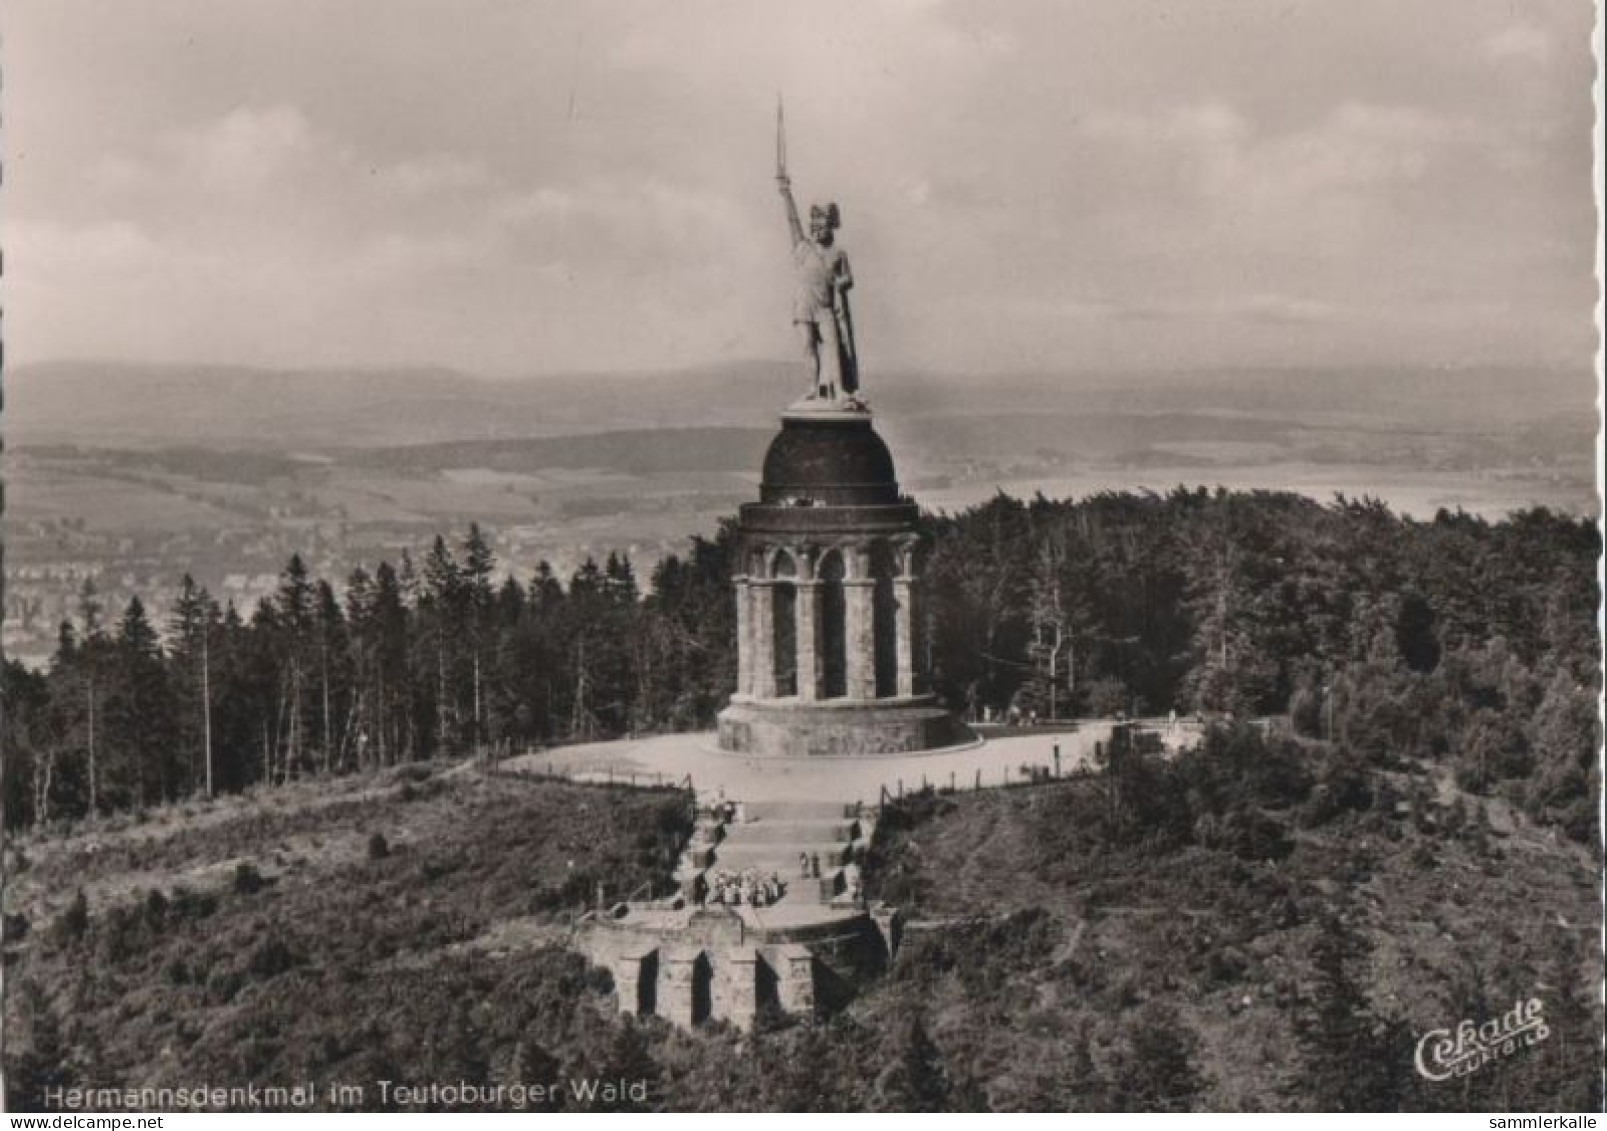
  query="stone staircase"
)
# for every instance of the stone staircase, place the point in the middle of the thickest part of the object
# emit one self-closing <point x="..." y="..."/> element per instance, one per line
<point x="801" y="954"/>
<point x="772" y="837"/>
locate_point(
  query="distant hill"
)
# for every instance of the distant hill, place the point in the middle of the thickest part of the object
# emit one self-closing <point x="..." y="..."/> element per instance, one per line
<point x="638" y="452"/>
<point x="109" y="404"/>
<point x="112" y="404"/>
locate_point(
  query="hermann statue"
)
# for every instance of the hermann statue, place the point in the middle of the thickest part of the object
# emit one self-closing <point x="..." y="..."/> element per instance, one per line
<point x="821" y="279"/>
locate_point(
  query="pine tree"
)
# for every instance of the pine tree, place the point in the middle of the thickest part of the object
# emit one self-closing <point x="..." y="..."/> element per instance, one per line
<point x="333" y="676"/>
<point x="441" y="605"/>
<point x="1155" y="1069"/>
<point x="28" y="737"/>
<point x="191" y="628"/>
<point x="295" y="611"/>
<point x="631" y="1059"/>
<point x="141" y="716"/>
<point x="479" y="564"/>
<point x="91" y="657"/>
<point x="914" y="1078"/>
<point x="393" y="691"/>
<point x="1352" y="1058"/>
<point x="36" y="1055"/>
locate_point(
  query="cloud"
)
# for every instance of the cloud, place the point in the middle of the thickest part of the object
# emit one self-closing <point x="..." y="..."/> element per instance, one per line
<point x="1519" y="42"/>
<point x="247" y="146"/>
<point x="265" y="229"/>
<point x="522" y="188"/>
<point x="1264" y="309"/>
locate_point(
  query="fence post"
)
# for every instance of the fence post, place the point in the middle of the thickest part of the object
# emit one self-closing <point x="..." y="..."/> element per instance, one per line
<point x="979" y="777"/>
<point x="1057" y="759"/>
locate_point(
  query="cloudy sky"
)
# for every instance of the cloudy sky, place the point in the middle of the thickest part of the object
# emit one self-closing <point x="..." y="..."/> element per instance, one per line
<point x="516" y="187"/>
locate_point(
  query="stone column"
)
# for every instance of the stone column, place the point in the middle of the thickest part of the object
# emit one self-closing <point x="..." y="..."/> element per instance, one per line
<point x="859" y="630"/>
<point x="795" y="978"/>
<point x="735" y="990"/>
<point x="744" y="638"/>
<point x="762" y="664"/>
<point x="808" y="614"/>
<point x="904" y="632"/>
<point x="677" y="975"/>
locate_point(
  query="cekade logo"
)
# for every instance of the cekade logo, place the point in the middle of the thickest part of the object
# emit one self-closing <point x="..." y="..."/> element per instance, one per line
<point x="1442" y="1053"/>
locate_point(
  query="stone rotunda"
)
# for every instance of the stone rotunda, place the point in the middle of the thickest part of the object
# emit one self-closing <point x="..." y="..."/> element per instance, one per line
<point x="831" y="659"/>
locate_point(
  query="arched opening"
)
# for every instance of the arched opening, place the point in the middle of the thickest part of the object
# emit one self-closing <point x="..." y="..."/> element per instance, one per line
<point x="883" y="568"/>
<point x="702" y="989"/>
<point x="833" y="628"/>
<point x="647" y="985"/>
<point x="784" y="623"/>
<point x="767" y="991"/>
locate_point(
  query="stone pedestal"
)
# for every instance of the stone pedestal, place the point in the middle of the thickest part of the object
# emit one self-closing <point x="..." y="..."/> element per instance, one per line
<point x="832" y="528"/>
<point x="795" y="978"/>
<point x="736" y="982"/>
<point x="678" y="989"/>
<point x="786" y="728"/>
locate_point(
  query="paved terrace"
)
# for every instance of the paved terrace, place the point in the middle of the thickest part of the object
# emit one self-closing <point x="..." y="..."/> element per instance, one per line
<point x="758" y="816"/>
<point x="672" y="758"/>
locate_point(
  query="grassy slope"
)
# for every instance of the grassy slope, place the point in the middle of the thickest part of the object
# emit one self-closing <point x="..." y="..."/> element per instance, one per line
<point x="1458" y="923"/>
<point x="346" y="963"/>
<point x="1045" y="952"/>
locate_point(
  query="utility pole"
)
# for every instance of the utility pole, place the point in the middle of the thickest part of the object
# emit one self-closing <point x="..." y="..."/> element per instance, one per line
<point x="90" y="693"/>
<point x="1071" y="671"/>
<point x="324" y="658"/>
<point x="1054" y="669"/>
<point x="478" y="727"/>
<point x="206" y="701"/>
<point x="440" y="690"/>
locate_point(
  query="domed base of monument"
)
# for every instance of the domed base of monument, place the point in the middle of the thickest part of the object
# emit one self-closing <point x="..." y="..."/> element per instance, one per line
<point x="793" y="728"/>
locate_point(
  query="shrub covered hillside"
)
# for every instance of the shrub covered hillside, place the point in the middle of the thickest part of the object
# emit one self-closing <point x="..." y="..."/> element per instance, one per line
<point x="1258" y="924"/>
<point x="343" y="938"/>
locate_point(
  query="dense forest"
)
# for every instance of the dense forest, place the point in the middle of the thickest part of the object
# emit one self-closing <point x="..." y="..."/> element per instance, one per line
<point x="1468" y="642"/>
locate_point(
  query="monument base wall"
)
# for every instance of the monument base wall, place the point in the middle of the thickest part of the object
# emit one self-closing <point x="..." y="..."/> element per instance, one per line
<point x="789" y="728"/>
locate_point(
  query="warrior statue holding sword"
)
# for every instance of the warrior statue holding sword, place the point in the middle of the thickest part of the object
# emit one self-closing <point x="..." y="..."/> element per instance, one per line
<point x="821" y="280"/>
